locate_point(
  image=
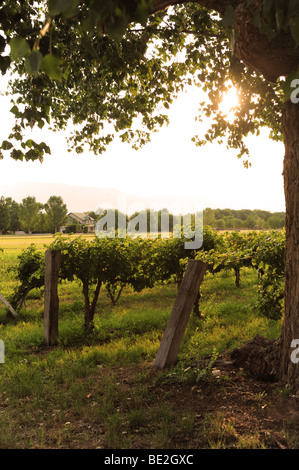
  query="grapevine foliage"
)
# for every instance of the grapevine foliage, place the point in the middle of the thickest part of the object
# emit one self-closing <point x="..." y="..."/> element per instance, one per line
<point x="263" y="251"/>
<point x="116" y="263"/>
<point x="30" y="273"/>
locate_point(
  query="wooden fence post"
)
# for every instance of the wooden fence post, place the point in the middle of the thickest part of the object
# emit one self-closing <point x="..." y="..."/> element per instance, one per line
<point x="7" y="305"/>
<point x="51" y="302"/>
<point x="178" y="320"/>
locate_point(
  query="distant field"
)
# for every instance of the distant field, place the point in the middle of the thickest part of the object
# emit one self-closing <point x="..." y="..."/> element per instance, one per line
<point x="15" y="243"/>
<point x="20" y="242"/>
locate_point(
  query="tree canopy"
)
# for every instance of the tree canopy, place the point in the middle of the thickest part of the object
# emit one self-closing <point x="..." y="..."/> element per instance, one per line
<point x="4" y="215"/>
<point x="56" y="211"/>
<point x="114" y="67"/>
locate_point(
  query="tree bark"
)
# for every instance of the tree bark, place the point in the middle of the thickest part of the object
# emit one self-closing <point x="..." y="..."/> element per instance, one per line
<point x="90" y="306"/>
<point x="271" y="58"/>
<point x="87" y="313"/>
<point x="237" y="273"/>
<point x="289" y="372"/>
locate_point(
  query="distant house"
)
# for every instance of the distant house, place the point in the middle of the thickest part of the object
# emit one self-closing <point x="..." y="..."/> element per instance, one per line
<point x="83" y="219"/>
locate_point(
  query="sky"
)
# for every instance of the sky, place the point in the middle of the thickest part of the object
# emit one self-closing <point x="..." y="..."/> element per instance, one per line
<point x="170" y="171"/>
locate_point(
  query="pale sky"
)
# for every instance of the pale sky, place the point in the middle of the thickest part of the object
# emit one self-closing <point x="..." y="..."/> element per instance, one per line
<point x="171" y="166"/>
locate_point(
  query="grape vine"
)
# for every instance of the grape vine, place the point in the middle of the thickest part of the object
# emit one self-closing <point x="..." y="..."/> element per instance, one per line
<point x="115" y="263"/>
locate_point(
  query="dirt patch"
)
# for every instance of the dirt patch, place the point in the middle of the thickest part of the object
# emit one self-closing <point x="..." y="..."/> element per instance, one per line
<point x="229" y="410"/>
<point x="259" y="414"/>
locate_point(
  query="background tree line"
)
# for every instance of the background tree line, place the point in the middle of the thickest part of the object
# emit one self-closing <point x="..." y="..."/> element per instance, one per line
<point x="231" y="219"/>
<point x="219" y="219"/>
<point x="31" y="216"/>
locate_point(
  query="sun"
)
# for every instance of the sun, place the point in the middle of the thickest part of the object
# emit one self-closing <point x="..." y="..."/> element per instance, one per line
<point x="229" y="102"/>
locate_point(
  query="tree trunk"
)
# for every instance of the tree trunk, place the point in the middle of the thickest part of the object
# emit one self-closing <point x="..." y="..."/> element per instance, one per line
<point x="88" y="320"/>
<point x="237" y="273"/>
<point x="271" y="360"/>
<point x="113" y="293"/>
<point x="95" y="298"/>
<point x="196" y="309"/>
<point x="289" y="372"/>
<point x="90" y="307"/>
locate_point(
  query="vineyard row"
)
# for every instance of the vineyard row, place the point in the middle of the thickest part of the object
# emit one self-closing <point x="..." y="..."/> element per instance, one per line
<point x="142" y="262"/>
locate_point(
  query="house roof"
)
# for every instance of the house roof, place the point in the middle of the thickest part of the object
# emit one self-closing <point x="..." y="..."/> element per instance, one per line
<point x="80" y="215"/>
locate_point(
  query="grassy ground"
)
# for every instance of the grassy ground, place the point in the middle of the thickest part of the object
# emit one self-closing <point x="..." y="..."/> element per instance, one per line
<point x="101" y="390"/>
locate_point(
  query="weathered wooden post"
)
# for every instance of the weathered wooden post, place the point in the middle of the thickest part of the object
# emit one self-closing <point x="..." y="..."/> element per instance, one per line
<point x="51" y="302"/>
<point x="178" y="320"/>
<point x="7" y="305"/>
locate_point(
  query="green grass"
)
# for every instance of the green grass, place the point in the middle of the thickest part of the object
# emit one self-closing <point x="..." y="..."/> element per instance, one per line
<point x="95" y="389"/>
<point x="14" y="243"/>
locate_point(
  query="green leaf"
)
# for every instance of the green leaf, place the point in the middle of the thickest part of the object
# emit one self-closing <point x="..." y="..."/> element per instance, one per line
<point x="51" y="66"/>
<point x="6" y="145"/>
<point x="29" y="143"/>
<point x="279" y="16"/>
<point x="268" y="10"/>
<point x="19" y="48"/>
<point x="2" y="44"/>
<point x="33" y="62"/>
<point x="44" y="148"/>
<point x="257" y="17"/>
<point x="117" y="24"/>
<point x="15" y="110"/>
<point x="141" y="13"/>
<point x="32" y="154"/>
<point x="4" y="63"/>
<point x="17" y="154"/>
<point x="229" y="16"/>
<point x="67" y="8"/>
<point x="71" y="10"/>
<point x="294" y="27"/>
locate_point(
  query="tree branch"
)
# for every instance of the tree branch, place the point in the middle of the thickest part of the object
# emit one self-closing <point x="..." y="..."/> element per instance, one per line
<point x="217" y="5"/>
